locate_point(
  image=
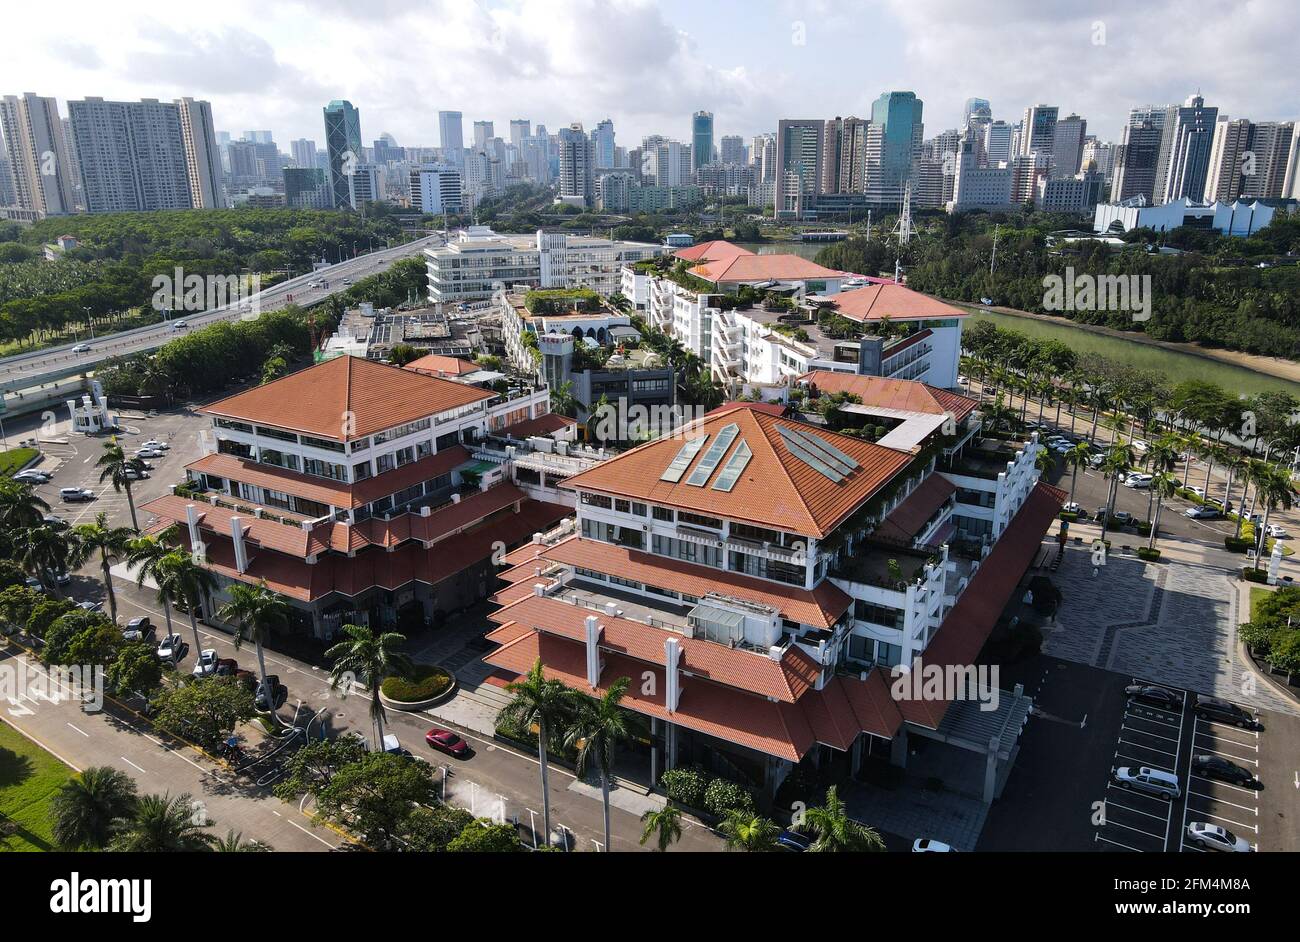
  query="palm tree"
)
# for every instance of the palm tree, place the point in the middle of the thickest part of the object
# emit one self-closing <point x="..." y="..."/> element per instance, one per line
<point x="1235" y="463"/>
<point x="188" y="581"/>
<point x="147" y="554"/>
<point x="234" y="843"/>
<point x="255" y="610"/>
<point x="562" y="401"/>
<point x="115" y="466"/>
<point x="1163" y="485"/>
<point x="372" y="658"/>
<point x="42" y="551"/>
<point x="596" y="416"/>
<point x="20" y="506"/>
<point x="665" y="825"/>
<point x="111" y="543"/>
<point x="161" y="824"/>
<point x="85" y="808"/>
<point x="1119" y="458"/>
<point x="834" y="830"/>
<point x="744" y="830"/>
<point x="1273" y="487"/>
<point x="1100" y="397"/>
<point x="1044" y="460"/>
<point x="548" y="705"/>
<point x="1161" y="459"/>
<point x="997" y="414"/>
<point x="1076" y="458"/>
<point x="599" y="725"/>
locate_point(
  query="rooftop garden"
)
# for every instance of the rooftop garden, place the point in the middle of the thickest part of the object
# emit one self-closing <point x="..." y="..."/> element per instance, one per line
<point x="562" y="301"/>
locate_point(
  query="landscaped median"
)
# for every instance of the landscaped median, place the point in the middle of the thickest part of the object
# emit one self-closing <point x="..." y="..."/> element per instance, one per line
<point x="29" y="779"/>
<point x="15" y="459"/>
<point x="1269" y="636"/>
<point x="427" y="686"/>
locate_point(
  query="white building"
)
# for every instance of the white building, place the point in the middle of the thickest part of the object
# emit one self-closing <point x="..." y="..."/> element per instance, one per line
<point x="436" y="189"/>
<point x="1236" y="219"/>
<point x="202" y="157"/>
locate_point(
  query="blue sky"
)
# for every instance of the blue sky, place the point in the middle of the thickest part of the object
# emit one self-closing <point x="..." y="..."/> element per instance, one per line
<point x="648" y="65"/>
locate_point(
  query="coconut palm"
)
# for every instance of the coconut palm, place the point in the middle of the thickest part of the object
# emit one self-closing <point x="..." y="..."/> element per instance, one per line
<point x="1119" y="458"/>
<point x="1100" y="397"/>
<point x="598" y="726"/>
<point x="1161" y="458"/>
<point x="548" y="705"/>
<point x="146" y="554"/>
<point x="85" y="808"/>
<point x="1076" y="458"/>
<point x="20" y="506"/>
<point x="188" y="581"/>
<point x="234" y="843"/>
<point x="663" y="824"/>
<point x="1044" y="460"/>
<point x="162" y="824"/>
<point x="42" y="551"/>
<point x="1163" y="485"/>
<point x="744" y="830"/>
<point x="116" y="467"/>
<point x="1273" y="489"/>
<point x="370" y="658"/>
<point x="254" y="611"/>
<point x="834" y="830"/>
<point x="110" y="543"/>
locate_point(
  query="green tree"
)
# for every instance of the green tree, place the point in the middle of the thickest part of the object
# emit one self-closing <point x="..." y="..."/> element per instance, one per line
<point x="548" y="705"/>
<point x="375" y="796"/>
<point x="206" y="710"/>
<point x="368" y="658"/>
<point x="85" y="809"/>
<point x="484" y="836"/>
<point x="44" y="551"/>
<point x="752" y="833"/>
<point x="109" y="543"/>
<point x="1163" y="485"/>
<point x="135" y="669"/>
<point x="161" y="824"/>
<point x="255" y="611"/>
<point x="663" y="824"/>
<point x="20" y="506"/>
<point x="1077" y="457"/>
<point x="314" y="766"/>
<point x="115" y="467"/>
<point x="1118" y="460"/>
<point x="234" y="843"/>
<point x="834" y="830"/>
<point x="402" y="354"/>
<point x="148" y="554"/>
<point x="599" y="725"/>
<point x="1273" y="489"/>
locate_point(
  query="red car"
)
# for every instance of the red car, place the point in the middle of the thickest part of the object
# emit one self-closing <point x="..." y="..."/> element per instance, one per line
<point x="444" y="740"/>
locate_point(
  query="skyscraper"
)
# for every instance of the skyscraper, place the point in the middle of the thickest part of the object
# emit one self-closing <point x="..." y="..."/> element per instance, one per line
<point x="483" y="132"/>
<point x="1270" y="142"/>
<point x="701" y="139"/>
<point x="577" y="156"/>
<point x="732" y="149"/>
<point x="602" y="136"/>
<point x="133" y="155"/>
<point x="1038" y="129"/>
<point x="978" y="113"/>
<point x="303" y="152"/>
<point x="520" y="131"/>
<point x="898" y="116"/>
<point x="1067" y="145"/>
<point x="343" y="145"/>
<point x="844" y="146"/>
<point x="38" y="157"/>
<point x="997" y="142"/>
<point x="1137" y="155"/>
<point x="451" y="137"/>
<point x="1231" y="141"/>
<point x="1184" y="160"/>
<point x="798" y="164"/>
<point x="202" y="158"/>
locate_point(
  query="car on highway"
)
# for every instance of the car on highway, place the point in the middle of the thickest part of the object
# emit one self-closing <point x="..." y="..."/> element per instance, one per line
<point x="1221" y="711"/>
<point x="180" y="325"/>
<point x="207" y="663"/>
<point x="138" y="629"/>
<point x="924" y="845"/>
<point x="1152" y="781"/>
<point x="1212" y="837"/>
<point x="172" y="648"/>
<point x="1222" y="769"/>
<point x="32" y="476"/>
<point x="1153" y="695"/>
<point x="1203" y="512"/>
<point x="81" y="348"/>
<point x="444" y="740"/>
<point x="74" y="495"/>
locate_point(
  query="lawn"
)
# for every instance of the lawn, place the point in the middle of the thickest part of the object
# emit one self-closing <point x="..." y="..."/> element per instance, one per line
<point x="12" y="461"/>
<point x="1257" y="593"/>
<point x="29" y="777"/>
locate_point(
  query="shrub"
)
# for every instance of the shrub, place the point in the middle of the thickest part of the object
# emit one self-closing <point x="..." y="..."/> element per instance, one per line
<point x="1143" y="528"/>
<point x="1251" y="574"/>
<point x="723" y="796"/>
<point x="1148" y="554"/>
<point x="1070" y="517"/>
<point x="1234" y="545"/>
<point x="426" y="681"/>
<point x="1256" y="637"/>
<point x="685" y="786"/>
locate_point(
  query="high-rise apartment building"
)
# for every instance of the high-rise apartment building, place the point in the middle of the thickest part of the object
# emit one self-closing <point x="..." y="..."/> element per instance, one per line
<point x="1038" y="129"/>
<point x="762" y="154"/>
<point x="483" y="132"/>
<point x="1270" y="147"/>
<point x="133" y="155"/>
<point x="1184" y="159"/>
<point x="997" y="142"/>
<point x="343" y="144"/>
<point x="303" y="152"/>
<point x="436" y="189"/>
<point x="451" y="137"/>
<point x="1230" y="143"/>
<point x="798" y="164"/>
<point x="844" y="146"/>
<point x="520" y="131"/>
<point x="202" y="157"/>
<point x="602" y="138"/>
<point x="898" y="116"/>
<point x="701" y="139"/>
<point x="39" y="165"/>
<point x="1137" y="155"/>
<point x="731" y="149"/>
<point x="1067" y="145"/>
<point x="577" y="170"/>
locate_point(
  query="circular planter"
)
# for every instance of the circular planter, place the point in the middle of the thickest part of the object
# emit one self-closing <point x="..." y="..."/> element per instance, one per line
<point x="418" y="705"/>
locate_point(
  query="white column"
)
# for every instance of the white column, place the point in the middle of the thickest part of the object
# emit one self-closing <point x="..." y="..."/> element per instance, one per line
<point x="241" y="551"/>
<point x="192" y="519"/>
<point x="593" y="652"/>
<point x="672" y="682"/>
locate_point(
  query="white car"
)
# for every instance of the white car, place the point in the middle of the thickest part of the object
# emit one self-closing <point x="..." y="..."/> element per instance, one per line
<point x="1198" y="491"/>
<point x="207" y="662"/>
<point x="1277" y="531"/>
<point x="32" y="476"/>
<point x="149" y="453"/>
<point x="155" y="445"/>
<point x="171" y="648"/>
<point x="1140" y="446"/>
<point x="1138" y="480"/>
<point x="1212" y="837"/>
<point x="180" y="325"/>
<point x="81" y="348"/>
<point x="923" y="845"/>
<point x="131" y="474"/>
<point x="63" y="578"/>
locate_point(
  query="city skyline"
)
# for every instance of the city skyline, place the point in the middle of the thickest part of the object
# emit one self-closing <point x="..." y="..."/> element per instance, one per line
<point x="659" y="65"/>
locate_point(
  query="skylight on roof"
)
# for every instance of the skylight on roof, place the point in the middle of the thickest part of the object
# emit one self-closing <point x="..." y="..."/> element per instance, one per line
<point x="732" y="470"/>
<point x="700" y="476"/>
<point x="679" y="464"/>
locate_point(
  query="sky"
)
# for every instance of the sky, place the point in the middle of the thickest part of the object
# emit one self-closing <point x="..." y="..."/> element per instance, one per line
<point x="649" y="64"/>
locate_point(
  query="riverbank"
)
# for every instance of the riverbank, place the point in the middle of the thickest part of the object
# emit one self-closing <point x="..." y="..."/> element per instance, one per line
<point x="1277" y="367"/>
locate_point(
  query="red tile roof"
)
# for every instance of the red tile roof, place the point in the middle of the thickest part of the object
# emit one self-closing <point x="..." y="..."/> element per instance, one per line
<point x="755" y="268"/>
<point x="346" y="398"/>
<point x="967" y="627"/>
<point x="771" y="408"/>
<point x="325" y="491"/>
<point x="777" y="489"/>
<point x="270" y="534"/>
<point x="903" y="394"/>
<point x="905" y="521"/>
<point x="715" y="251"/>
<point x="542" y="425"/>
<point x="877" y="301"/>
<point x="821" y="607"/>
<point x="437" y="365"/>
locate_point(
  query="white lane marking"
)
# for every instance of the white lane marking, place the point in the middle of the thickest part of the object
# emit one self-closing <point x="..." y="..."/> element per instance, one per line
<point x="132" y="764"/>
<point x="82" y="731"/>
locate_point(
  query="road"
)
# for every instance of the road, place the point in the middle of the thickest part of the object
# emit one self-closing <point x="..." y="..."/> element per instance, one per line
<point x="40" y="362"/>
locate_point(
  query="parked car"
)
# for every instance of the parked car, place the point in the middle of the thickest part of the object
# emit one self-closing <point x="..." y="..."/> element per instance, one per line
<point x="444" y="740"/>
<point x="89" y="606"/>
<point x="155" y="444"/>
<point x="1152" y="781"/>
<point x="1203" y="512"/>
<point x="139" y="629"/>
<point x="149" y="453"/>
<point x="226" y="667"/>
<point x="34" y="584"/>
<point x="207" y="663"/>
<point x="1221" y="711"/>
<point x="51" y="520"/>
<point x="1074" y="507"/>
<point x="74" y="495"/>
<point x="1277" y="531"/>
<point x="63" y="578"/>
<point x="279" y="693"/>
<point x="172" y="648"/>
<point x="1140" y="446"/>
<point x="32" y="476"/>
<point x="1153" y="695"/>
<point x="923" y="845"/>
<point x="132" y="474"/>
<point x="1222" y="769"/>
<point x="793" y="841"/>
<point x="1122" y="518"/>
<point x="1212" y="837"/>
<point x="1198" y="491"/>
<point x="1138" y="479"/>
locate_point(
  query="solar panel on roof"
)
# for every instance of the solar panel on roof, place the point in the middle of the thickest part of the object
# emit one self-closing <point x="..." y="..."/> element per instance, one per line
<point x="826" y="446"/>
<point x="731" y="471"/>
<point x="828" y="453"/>
<point x="807" y="457"/>
<point x="679" y="464"/>
<point x="700" y="476"/>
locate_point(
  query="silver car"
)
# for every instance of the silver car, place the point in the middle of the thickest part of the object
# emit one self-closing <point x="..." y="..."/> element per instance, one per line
<point x="1212" y="837"/>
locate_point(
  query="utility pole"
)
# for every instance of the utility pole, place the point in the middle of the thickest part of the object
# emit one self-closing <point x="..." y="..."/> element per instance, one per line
<point x="993" y="258"/>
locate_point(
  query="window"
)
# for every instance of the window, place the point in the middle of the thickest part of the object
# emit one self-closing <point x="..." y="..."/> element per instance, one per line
<point x="323" y="443"/>
<point x="446" y="441"/>
<point x="597" y="500"/>
<point x="361" y="471"/>
<point x="699" y="520"/>
<point x="277" y="458"/>
<point x="664" y="513"/>
<point x="232" y="424"/>
<point x="757" y="534"/>
<point x="623" y="506"/>
<point x="227" y="447"/>
<point x="405" y="455"/>
<point x="276" y="499"/>
<point x="878" y="614"/>
<point x="423" y="449"/>
<point x="325" y="469"/>
<point x="265" y="432"/>
<point x="638" y="510"/>
<point x="384" y="463"/>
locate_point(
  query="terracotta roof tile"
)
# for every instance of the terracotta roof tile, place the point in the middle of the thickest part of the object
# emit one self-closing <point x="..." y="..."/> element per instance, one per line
<point x="715" y="251"/>
<point x="542" y="425"/>
<point x="435" y="364"/>
<point x="902" y="394"/>
<point x="905" y="521"/>
<point x="776" y="489"/>
<point x="874" y="302"/>
<point x="756" y="268"/>
<point x="375" y="395"/>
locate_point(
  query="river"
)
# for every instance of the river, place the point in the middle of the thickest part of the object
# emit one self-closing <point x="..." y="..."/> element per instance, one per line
<point x="1175" y="365"/>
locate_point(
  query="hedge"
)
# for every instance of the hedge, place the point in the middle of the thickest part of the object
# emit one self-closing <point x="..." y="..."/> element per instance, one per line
<point x="1251" y="574"/>
<point x="685" y="786"/>
<point x="1148" y="554"/>
<point x="425" y="682"/>
<point x="1235" y="545"/>
<point x="723" y="796"/>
